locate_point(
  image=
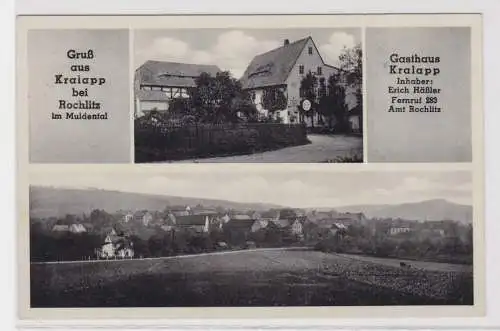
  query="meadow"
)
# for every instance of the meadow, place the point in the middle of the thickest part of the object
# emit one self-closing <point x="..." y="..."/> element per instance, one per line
<point x="273" y="277"/>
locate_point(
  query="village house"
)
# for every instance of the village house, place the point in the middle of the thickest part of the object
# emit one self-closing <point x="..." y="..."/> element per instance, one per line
<point x="269" y="215"/>
<point x="144" y="217"/>
<point x="399" y="229"/>
<point x="197" y="223"/>
<point x="157" y="83"/>
<point x="116" y="246"/>
<point x="77" y="228"/>
<point x="323" y="231"/>
<point x="128" y="217"/>
<point x="238" y="228"/>
<point x="72" y="228"/>
<point x="290" y="227"/>
<point x="283" y="69"/>
<point x="60" y="228"/>
<point x="259" y="224"/>
<point x="349" y="219"/>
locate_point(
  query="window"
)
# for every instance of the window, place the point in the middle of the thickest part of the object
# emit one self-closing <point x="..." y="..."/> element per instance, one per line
<point x="310" y="50"/>
<point x="320" y="71"/>
<point x="146" y="88"/>
<point x="301" y="69"/>
<point x="155" y="88"/>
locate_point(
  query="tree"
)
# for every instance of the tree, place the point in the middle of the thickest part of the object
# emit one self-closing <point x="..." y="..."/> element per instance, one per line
<point x="274" y="99"/>
<point x="337" y="105"/>
<point x="351" y="64"/>
<point x="332" y="103"/>
<point x="214" y="99"/>
<point x="308" y="87"/>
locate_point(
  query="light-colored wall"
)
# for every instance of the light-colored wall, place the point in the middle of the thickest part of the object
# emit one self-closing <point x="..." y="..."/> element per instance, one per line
<point x="310" y="63"/>
<point x="108" y="250"/>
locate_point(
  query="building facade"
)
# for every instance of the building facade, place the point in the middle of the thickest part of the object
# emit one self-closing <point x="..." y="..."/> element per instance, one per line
<point x="283" y="69"/>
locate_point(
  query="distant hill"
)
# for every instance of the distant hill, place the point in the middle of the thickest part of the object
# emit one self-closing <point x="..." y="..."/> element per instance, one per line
<point x="432" y="210"/>
<point x="53" y="202"/>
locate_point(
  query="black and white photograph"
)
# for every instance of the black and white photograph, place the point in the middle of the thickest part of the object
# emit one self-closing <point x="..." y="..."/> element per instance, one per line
<point x="248" y="238"/>
<point x="248" y="95"/>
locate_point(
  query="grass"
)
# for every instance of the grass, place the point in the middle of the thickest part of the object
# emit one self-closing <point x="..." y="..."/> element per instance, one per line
<point x="258" y="278"/>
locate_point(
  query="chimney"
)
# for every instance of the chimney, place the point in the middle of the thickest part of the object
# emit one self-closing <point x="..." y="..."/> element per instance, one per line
<point x="286" y="42"/>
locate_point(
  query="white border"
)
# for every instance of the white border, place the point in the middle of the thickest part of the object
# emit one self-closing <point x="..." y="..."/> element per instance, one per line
<point x="491" y="12"/>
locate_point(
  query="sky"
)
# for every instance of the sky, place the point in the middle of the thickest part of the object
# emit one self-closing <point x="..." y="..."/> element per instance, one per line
<point x="234" y="49"/>
<point x="299" y="188"/>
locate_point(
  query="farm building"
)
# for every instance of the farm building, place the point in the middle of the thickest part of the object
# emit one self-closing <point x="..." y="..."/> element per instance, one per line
<point x="282" y="69"/>
<point x="157" y="83"/>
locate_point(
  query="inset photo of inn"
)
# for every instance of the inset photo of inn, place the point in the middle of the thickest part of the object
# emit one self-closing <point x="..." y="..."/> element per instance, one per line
<point x="238" y="96"/>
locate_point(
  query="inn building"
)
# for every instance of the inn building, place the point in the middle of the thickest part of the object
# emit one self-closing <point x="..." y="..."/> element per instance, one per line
<point x="284" y="68"/>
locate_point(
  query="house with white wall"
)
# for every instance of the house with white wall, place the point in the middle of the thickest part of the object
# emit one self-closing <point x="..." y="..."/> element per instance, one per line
<point x="284" y="68"/>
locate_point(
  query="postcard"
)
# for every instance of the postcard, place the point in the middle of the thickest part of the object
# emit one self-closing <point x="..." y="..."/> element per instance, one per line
<point x="246" y="166"/>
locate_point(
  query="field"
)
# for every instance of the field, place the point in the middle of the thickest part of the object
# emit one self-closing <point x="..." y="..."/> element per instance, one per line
<point x="275" y="277"/>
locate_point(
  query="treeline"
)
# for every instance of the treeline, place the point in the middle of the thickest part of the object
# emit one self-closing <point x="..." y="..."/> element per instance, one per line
<point x="454" y="248"/>
<point x="154" y="242"/>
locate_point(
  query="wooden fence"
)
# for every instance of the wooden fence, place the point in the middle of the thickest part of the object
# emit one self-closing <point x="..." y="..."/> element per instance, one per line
<point x="168" y="142"/>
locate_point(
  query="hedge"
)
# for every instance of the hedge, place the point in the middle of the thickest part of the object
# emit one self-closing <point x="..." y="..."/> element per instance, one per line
<point x="154" y="143"/>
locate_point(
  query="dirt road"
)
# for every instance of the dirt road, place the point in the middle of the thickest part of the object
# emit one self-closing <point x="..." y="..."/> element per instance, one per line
<point x="322" y="148"/>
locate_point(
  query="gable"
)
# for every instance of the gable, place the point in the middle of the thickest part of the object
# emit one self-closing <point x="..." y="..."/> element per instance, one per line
<point x="309" y="61"/>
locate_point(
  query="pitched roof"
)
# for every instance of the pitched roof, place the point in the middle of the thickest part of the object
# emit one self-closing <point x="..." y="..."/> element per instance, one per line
<point x="207" y="212"/>
<point x="287" y="213"/>
<point x="282" y="223"/>
<point x="190" y="220"/>
<point x="240" y="217"/>
<point x="60" y="227"/>
<point x="178" y="213"/>
<point x="240" y="224"/>
<point x="269" y="214"/>
<point x="162" y="73"/>
<point x="272" y="68"/>
<point x="145" y="95"/>
<point x="77" y="227"/>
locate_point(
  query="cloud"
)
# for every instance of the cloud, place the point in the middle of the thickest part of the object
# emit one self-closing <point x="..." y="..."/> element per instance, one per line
<point x="336" y="43"/>
<point x="233" y="50"/>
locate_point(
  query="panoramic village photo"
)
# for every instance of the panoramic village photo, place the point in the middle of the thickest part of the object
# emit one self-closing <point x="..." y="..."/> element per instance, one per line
<point x="239" y="238"/>
<point x="251" y="95"/>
